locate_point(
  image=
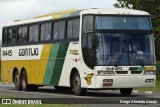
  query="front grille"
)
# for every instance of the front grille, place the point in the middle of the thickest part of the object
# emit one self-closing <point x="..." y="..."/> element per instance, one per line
<point x="136" y="72"/>
<point x="121" y="72"/>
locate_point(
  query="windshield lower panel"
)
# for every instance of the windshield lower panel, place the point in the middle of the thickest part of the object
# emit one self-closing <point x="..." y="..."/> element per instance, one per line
<point x="118" y="49"/>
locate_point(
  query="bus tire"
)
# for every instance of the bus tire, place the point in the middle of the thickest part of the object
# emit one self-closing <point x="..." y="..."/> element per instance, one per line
<point x="59" y="88"/>
<point x="17" y="82"/>
<point x="126" y="91"/>
<point x="24" y="81"/>
<point x="77" y="85"/>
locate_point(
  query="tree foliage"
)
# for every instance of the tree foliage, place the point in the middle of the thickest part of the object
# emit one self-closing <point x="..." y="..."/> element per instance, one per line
<point x="153" y="8"/>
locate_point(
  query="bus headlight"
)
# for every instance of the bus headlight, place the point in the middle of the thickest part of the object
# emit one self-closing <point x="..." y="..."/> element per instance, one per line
<point x="105" y="72"/>
<point x="149" y="73"/>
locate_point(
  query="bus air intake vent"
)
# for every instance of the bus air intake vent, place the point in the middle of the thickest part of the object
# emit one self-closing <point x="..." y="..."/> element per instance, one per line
<point x="136" y="72"/>
<point x="121" y="72"/>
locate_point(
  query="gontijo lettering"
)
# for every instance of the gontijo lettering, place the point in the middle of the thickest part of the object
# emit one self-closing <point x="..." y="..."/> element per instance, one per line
<point x="28" y="52"/>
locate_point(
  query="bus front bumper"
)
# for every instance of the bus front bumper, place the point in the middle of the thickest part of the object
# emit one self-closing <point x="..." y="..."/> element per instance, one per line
<point x="125" y="81"/>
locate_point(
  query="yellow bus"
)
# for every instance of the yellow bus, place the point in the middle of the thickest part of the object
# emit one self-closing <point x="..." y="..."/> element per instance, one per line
<point x="101" y="49"/>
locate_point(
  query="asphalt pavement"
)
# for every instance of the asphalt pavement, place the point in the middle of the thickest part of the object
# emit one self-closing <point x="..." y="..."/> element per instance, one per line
<point x="92" y="97"/>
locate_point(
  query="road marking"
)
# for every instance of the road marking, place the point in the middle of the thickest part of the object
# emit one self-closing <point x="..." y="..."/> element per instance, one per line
<point x="39" y="93"/>
<point x="135" y="91"/>
<point x="148" y="92"/>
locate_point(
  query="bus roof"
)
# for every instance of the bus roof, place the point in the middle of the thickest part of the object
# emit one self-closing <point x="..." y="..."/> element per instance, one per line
<point x="72" y="13"/>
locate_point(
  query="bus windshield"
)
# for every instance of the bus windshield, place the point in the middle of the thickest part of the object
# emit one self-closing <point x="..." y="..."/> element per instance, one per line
<point x="118" y="41"/>
<point x="118" y="49"/>
<point x="124" y="49"/>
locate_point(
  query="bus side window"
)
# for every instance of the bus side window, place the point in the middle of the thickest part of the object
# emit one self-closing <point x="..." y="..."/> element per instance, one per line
<point x="48" y="32"/>
<point x="22" y="35"/>
<point x="33" y="33"/>
<point x="25" y="34"/>
<point x="4" y="38"/>
<point x="61" y="30"/>
<point x="45" y="32"/>
<point x="76" y="24"/>
<point x="55" y="31"/>
<point x="11" y="36"/>
<point x="36" y="33"/>
<point x="73" y="28"/>
<point x="69" y="29"/>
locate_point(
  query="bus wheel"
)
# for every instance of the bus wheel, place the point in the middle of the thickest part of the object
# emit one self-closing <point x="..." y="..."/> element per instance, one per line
<point x="59" y="88"/>
<point x="77" y="85"/>
<point x="126" y="91"/>
<point x="17" y="81"/>
<point x="24" y="81"/>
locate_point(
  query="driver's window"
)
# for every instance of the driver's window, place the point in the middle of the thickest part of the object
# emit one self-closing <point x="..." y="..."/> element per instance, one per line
<point x="92" y="42"/>
<point x="87" y="23"/>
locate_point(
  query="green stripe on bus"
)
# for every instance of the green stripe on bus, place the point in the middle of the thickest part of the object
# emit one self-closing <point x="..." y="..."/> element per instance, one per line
<point x="59" y="62"/>
<point x="133" y="68"/>
<point x="51" y="63"/>
<point x="137" y="68"/>
<point x="55" y="63"/>
<point x="141" y="68"/>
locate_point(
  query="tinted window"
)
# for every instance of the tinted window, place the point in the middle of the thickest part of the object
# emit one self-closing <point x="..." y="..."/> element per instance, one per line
<point x="69" y="29"/>
<point x="87" y="23"/>
<point x="55" y="31"/>
<point x="33" y="33"/>
<point x="73" y="28"/>
<point x="36" y="32"/>
<point x="4" y="36"/>
<point x="59" y="30"/>
<point x="31" y="37"/>
<point x="76" y="24"/>
<point x="43" y="32"/>
<point x="22" y="34"/>
<point x="20" y="38"/>
<point x="48" y="32"/>
<point x="11" y="36"/>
